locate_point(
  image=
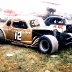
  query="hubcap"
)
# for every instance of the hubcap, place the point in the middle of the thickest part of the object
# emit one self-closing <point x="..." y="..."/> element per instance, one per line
<point x="44" y="45"/>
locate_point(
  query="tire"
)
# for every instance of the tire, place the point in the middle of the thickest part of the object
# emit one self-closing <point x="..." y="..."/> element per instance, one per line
<point x="48" y="44"/>
<point x="69" y="34"/>
<point x="2" y="38"/>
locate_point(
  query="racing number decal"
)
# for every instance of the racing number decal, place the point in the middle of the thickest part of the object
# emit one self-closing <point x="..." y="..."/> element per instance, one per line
<point x="32" y="22"/>
<point x="18" y="35"/>
<point x="54" y="26"/>
<point x="59" y="26"/>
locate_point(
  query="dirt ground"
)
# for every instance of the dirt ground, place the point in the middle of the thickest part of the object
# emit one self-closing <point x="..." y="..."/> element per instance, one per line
<point x="20" y="59"/>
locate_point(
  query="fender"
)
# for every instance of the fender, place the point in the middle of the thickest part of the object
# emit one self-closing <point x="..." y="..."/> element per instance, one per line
<point x="39" y="33"/>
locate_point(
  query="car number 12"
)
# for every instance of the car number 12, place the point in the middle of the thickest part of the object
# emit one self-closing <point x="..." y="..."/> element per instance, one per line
<point x="18" y="35"/>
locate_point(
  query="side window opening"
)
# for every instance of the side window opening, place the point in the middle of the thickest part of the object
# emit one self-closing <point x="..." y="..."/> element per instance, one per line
<point x="34" y="23"/>
<point x="48" y="21"/>
<point x="54" y="20"/>
<point x="8" y="23"/>
<point x="60" y="21"/>
<point x="20" y="24"/>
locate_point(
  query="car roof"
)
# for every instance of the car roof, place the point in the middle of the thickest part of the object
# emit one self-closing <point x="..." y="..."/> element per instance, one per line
<point x="55" y="17"/>
<point x="27" y="18"/>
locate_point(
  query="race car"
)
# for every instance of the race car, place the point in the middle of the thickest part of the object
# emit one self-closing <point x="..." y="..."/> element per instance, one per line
<point x="58" y="22"/>
<point x="32" y="32"/>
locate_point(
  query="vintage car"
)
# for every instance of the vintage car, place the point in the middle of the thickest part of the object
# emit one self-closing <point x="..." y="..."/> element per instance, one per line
<point x="32" y="32"/>
<point x="58" y="22"/>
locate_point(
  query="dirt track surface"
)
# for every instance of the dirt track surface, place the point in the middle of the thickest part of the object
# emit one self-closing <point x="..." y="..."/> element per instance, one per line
<point x="19" y="59"/>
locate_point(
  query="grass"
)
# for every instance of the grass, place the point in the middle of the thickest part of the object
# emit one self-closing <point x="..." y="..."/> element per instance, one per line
<point x="20" y="59"/>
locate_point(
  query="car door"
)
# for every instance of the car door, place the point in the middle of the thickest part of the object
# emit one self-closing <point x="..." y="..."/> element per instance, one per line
<point x="20" y="32"/>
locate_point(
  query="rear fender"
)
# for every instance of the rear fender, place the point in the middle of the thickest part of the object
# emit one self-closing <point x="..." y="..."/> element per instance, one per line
<point x="39" y="33"/>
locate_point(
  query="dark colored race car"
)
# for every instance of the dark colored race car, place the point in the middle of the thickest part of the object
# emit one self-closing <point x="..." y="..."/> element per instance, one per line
<point x="32" y="32"/>
<point x="58" y="22"/>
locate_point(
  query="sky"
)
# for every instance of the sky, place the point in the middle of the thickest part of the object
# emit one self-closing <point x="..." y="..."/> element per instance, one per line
<point x="36" y="6"/>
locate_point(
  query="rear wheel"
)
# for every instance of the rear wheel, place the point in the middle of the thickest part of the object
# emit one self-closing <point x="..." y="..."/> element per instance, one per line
<point x="48" y="44"/>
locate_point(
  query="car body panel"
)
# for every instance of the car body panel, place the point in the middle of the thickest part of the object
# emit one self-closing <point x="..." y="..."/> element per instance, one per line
<point x="17" y="34"/>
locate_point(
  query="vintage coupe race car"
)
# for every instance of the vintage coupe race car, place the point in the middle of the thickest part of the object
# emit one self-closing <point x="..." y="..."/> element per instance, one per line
<point x="58" y="22"/>
<point x="31" y="31"/>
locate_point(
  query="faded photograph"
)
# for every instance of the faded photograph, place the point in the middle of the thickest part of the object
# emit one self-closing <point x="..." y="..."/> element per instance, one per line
<point x="35" y="36"/>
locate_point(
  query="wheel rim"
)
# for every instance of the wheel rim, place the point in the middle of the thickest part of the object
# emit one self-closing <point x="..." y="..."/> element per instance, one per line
<point x="44" y="45"/>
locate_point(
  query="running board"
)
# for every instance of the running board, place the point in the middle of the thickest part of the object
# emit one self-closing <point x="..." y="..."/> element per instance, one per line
<point x="22" y="44"/>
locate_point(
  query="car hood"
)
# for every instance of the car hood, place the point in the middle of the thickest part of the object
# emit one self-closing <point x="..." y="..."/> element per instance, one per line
<point x="41" y="28"/>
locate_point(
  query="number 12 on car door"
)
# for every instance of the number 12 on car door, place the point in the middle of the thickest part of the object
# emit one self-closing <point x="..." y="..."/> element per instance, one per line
<point x="18" y="35"/>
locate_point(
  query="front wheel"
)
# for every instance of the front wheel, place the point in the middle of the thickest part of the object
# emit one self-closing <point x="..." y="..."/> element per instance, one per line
<point x="48" y="44"/>
<point x="2" y="38"/>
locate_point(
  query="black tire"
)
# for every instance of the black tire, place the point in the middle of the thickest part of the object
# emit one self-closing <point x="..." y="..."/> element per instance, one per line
<point x="2" y="38"/>
<point x="69" y="34"/>
<point x="48" y="44"/>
